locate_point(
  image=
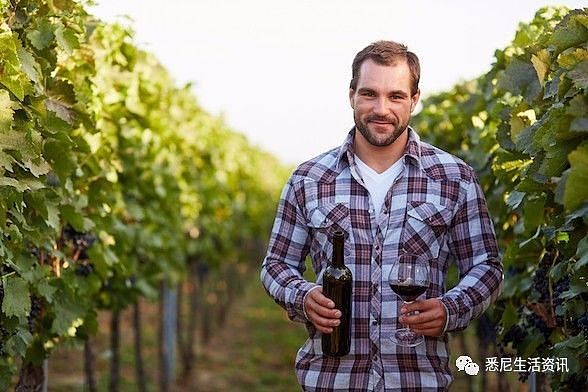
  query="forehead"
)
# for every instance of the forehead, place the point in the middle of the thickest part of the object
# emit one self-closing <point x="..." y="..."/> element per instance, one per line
<point x="384" y="77"/>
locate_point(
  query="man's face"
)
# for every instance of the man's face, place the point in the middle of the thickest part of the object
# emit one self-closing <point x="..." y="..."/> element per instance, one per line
<point x="382" y="101"/>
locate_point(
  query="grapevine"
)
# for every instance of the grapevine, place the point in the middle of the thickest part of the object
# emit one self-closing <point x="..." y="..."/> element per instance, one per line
<point x="522" y="126"/>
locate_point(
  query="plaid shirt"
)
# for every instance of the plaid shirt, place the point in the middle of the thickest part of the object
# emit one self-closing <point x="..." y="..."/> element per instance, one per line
<point x="436" y="209"/>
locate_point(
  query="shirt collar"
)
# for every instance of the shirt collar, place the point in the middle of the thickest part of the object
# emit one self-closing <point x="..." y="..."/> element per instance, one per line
<point x="412" y="152"/>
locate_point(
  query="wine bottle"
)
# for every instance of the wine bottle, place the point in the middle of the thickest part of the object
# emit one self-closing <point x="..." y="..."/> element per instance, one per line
<point x="337" y="282"/>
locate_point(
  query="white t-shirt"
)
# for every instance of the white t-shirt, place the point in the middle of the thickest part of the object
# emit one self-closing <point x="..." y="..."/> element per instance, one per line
<point x="378" y="184"/>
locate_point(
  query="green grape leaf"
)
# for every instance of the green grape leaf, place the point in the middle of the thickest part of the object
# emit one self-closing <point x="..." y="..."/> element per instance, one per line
<point x="11" y="75"/>
<point x="577" y="106"/>
<point x="514" y="199"/>
<point x="509" y="316"/>
<point x="147" y="289"/>
<point x="579" y="125"/>
<point x="17" y="301"/>
<point x="15" y="140"/>
<point x="21" y="185"/>
<point x="66" y="39"/>
<point x="29" y="66"/>
<point x="76" y="219"/>
<point x="68" y="314"/>
<point x="31" y="184"/>
<point x="46" y="290"/>
<point x="533" y="214"/>
<point x="52" y="219"/>
<point x="582" y="253"/>
<point x="61" y="110"/>
<point x="541" y="64"/>
<point x="18" y="343"/>
<point x="42" y="36"/>
<point x="61" y="157"/>
<point x="28" y="269"/>
<point x="569" y="58"/>
<point x="38" y="168"/>
<point x="6" y="161"/>
<point x="579" y="75"/>
<point x="576" y="188"/>
<point x="569" y="34"/>
<point x="520" y="78"/>
<point x="6" y="111"/>
<point x="504" y="137"/>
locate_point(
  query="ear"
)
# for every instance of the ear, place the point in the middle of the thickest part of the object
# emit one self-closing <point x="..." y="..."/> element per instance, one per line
<point x="352" y="98"/>
<point x="415" y="100"/>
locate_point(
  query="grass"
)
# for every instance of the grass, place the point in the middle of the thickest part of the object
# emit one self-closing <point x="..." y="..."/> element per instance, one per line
<point x="256" y="350"/>
<point x="253" y="351"/>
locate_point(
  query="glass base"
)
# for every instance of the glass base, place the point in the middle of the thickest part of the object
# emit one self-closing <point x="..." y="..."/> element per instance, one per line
<point x="406" y="338"/>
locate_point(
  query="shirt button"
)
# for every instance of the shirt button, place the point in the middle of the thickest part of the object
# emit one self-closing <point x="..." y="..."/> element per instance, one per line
<point x="375" y="322"/>
<point x="377" y="247"/>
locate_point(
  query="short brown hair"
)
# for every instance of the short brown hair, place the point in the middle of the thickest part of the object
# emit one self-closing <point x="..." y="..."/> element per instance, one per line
<point x="387" y="53"/>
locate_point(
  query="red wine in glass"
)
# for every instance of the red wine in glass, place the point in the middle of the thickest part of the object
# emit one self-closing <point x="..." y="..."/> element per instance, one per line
<point x="408" y="278"/>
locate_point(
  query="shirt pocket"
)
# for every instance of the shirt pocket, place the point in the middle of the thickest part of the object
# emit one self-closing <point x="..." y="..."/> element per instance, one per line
<point x="323" y="222"/>
<point x="424" y="228"/>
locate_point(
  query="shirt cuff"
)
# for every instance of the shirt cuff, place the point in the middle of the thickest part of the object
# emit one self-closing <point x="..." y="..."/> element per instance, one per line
<point x="446" y="316"/>
<point x="456" y="319"/>
<point x="304" y="301"/>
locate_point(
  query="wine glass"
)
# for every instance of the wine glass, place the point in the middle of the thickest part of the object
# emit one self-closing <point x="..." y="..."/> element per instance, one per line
<point x="409" y="278"/>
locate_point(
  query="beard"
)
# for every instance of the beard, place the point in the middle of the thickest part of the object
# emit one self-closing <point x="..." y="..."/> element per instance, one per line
<point x="372" y="137"/>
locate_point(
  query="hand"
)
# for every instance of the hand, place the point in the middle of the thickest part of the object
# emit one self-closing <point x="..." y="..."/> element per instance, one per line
<point x="321" y="311"/>
<point x="430" y="320"/>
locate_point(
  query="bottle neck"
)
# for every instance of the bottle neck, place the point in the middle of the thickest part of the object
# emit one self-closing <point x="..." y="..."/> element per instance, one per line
<point x="338" y="243"/>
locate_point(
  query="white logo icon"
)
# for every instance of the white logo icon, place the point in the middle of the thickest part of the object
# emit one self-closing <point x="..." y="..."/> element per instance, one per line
<point x="465" y="363"/>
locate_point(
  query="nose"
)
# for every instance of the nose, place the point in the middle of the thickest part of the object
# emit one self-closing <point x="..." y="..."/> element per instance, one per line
<point x="380" y="106"/>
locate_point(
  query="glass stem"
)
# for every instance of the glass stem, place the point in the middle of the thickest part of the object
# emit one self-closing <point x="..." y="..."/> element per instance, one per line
<point x="408" y="314"/>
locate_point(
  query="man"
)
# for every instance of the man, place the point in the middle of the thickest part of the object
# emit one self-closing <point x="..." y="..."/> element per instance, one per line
<point x="391" y="193"/>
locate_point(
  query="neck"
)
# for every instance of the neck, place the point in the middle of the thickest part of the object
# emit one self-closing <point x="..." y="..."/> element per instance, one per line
<point x="379" y="158"/>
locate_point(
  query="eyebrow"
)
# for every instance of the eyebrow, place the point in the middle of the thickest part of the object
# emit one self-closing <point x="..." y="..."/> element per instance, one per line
<point x="393" y="92"/>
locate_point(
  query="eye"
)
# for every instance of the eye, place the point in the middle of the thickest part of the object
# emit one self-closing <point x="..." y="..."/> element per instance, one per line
<point x="367" y="93"/>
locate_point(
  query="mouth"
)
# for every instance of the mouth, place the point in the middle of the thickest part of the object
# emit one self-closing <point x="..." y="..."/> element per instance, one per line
<point x="380" y="121"/>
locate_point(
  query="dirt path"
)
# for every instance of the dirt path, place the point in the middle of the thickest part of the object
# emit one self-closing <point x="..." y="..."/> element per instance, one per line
<point x="254" y="351"/>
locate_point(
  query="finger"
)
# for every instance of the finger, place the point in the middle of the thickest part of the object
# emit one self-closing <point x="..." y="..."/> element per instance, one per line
<point x="419" y="305"/>
<point x="434" y="332"/>
<point x="322" y="323"/>
<point x="323" y="329"/>
<point x="321" y="310"/>
<point x="420" y="318"/>
<point x="426" y="325"/>
<point x="318" y="297"/>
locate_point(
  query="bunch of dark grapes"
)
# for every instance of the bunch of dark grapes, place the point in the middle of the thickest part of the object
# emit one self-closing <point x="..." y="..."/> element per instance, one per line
<point x="583" y="324"/>
<point x="4" y="335"/>
<point x="541" y="281"/>
<point x="536" y="321"/>
<point x="36" y="307"/>
<point x="515" y="334"/>
<point x="80" y="243"/>
<point x="562" y="285"/>
<point x="575" y="382"/>
<point x="84" y="269"/>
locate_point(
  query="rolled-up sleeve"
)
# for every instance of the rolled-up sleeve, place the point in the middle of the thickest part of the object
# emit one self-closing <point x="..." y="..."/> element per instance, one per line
<point x="284" y="264"/>
<point x="472" y="242"/>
